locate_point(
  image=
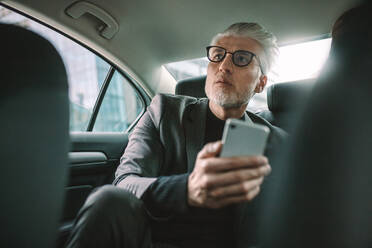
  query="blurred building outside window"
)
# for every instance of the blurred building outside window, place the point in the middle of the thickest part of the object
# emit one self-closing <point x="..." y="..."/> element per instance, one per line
<point x="86" y="73"/>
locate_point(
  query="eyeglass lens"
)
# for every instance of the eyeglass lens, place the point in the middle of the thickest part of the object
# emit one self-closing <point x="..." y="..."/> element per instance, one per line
<point x="239" y="58"/>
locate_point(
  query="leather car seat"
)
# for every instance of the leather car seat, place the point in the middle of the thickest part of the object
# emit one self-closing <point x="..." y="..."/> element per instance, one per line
<point x="191" y="87"/>
<point x="322" y="195"/>
<point x="34" y="143"/>
<point x="284" y="100"/>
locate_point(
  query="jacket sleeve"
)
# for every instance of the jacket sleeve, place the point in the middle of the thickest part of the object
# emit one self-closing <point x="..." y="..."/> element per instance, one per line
<point x="166" y="196"/>
<point x="141" y="166"/>
<point x="144" y="155"/>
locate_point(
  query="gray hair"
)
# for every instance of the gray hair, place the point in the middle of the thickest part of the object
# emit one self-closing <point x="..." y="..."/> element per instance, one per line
<point x="254" y="31"/>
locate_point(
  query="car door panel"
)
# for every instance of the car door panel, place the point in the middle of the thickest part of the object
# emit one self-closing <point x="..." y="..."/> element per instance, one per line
<point x="93" y="159"/>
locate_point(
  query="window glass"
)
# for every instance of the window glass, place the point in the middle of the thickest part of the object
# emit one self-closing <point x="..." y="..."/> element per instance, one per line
<point x="301" y="61"/>
<point x="86" y="73"/>
<point x="188" y="68"/>
<point x="85" y="81"/>
<point x="295" y="62"/>
<point x="120" y="107"/>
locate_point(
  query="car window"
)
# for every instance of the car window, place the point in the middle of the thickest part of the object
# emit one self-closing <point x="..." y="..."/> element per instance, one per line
<point x="120" y="106"/>
<point x="299" y="61"/>
<point x="86" y="74"/>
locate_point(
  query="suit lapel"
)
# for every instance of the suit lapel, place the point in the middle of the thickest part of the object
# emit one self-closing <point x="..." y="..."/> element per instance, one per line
<point x="247" y="118"/>
<point x="194" y="127"/>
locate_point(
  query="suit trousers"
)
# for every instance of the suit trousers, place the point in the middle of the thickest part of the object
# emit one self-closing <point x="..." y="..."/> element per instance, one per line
<point x="112" y="217"/>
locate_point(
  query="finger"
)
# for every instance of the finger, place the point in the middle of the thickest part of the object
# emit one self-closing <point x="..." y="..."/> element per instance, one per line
<point x="210" y="150"/>
<point x="214" y="164"/>
<point x="223" y="202"/>
<point x="236" y="189"/>
<point x="237" y="176"/>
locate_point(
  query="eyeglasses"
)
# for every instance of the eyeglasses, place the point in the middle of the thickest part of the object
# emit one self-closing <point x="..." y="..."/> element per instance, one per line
<point x="240" y="58"/>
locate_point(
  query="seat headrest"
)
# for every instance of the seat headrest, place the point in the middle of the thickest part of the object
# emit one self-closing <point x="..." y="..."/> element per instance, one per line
<point x="283" y="96"/>
<point x="191" y="87"/>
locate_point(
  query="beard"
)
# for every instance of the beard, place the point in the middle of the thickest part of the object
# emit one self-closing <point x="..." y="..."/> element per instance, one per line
<point x="226" y="98"/>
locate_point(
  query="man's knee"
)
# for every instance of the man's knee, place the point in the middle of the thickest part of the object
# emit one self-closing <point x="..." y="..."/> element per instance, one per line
<point x="109" y="212"/>
<point x="112" y="199"/>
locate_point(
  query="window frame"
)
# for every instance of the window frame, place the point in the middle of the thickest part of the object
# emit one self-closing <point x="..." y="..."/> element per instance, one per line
<point x="143" y="96"/>
<point x="102" y="94"/>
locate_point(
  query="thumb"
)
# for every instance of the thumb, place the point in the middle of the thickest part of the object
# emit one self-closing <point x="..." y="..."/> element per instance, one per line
<point x="211" y="150"/>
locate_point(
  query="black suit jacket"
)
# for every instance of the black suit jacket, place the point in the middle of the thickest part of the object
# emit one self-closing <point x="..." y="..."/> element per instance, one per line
<point x="167" y="140"/>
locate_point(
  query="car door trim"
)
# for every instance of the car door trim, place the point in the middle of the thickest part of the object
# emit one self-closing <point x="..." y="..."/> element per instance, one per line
<point x="86" y="157"/>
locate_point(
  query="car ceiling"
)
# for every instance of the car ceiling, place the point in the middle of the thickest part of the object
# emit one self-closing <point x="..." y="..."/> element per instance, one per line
<point x="152" y="33"/>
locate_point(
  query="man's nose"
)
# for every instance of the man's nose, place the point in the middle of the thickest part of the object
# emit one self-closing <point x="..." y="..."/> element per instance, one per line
<point x="226" y="64"/>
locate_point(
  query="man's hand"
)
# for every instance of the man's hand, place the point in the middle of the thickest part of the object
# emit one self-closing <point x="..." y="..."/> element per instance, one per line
<point x="217" y="182"/>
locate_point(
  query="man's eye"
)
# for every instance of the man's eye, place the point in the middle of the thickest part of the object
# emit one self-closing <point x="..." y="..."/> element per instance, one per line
<point x="217" y="56"/>
<point x="241" y="59"/>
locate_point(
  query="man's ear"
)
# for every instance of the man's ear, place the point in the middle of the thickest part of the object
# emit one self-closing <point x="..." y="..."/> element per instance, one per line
<point x="261" y="84"/>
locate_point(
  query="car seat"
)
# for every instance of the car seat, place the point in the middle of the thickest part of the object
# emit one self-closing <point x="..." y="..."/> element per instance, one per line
<point x="34" y="141"/>
<point x="322" y="194"/>
<point x="284" y="100"/>
<point x="191" y="87"/>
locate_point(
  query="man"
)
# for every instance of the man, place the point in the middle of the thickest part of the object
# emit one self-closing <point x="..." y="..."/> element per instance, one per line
<point x="172" y="188"/>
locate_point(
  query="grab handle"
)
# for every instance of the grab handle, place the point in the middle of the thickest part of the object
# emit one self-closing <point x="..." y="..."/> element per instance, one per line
<point x="109" y="28"/>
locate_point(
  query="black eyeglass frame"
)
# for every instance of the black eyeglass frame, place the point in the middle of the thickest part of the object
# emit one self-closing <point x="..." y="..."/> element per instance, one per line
<point x="233" y="57"/>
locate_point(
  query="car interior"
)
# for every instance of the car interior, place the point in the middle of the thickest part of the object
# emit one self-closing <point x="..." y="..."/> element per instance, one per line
<point x="116" y="57"/>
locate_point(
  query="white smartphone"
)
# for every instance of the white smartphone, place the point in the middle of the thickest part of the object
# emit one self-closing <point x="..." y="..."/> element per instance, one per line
<point x="243" y="139"/>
